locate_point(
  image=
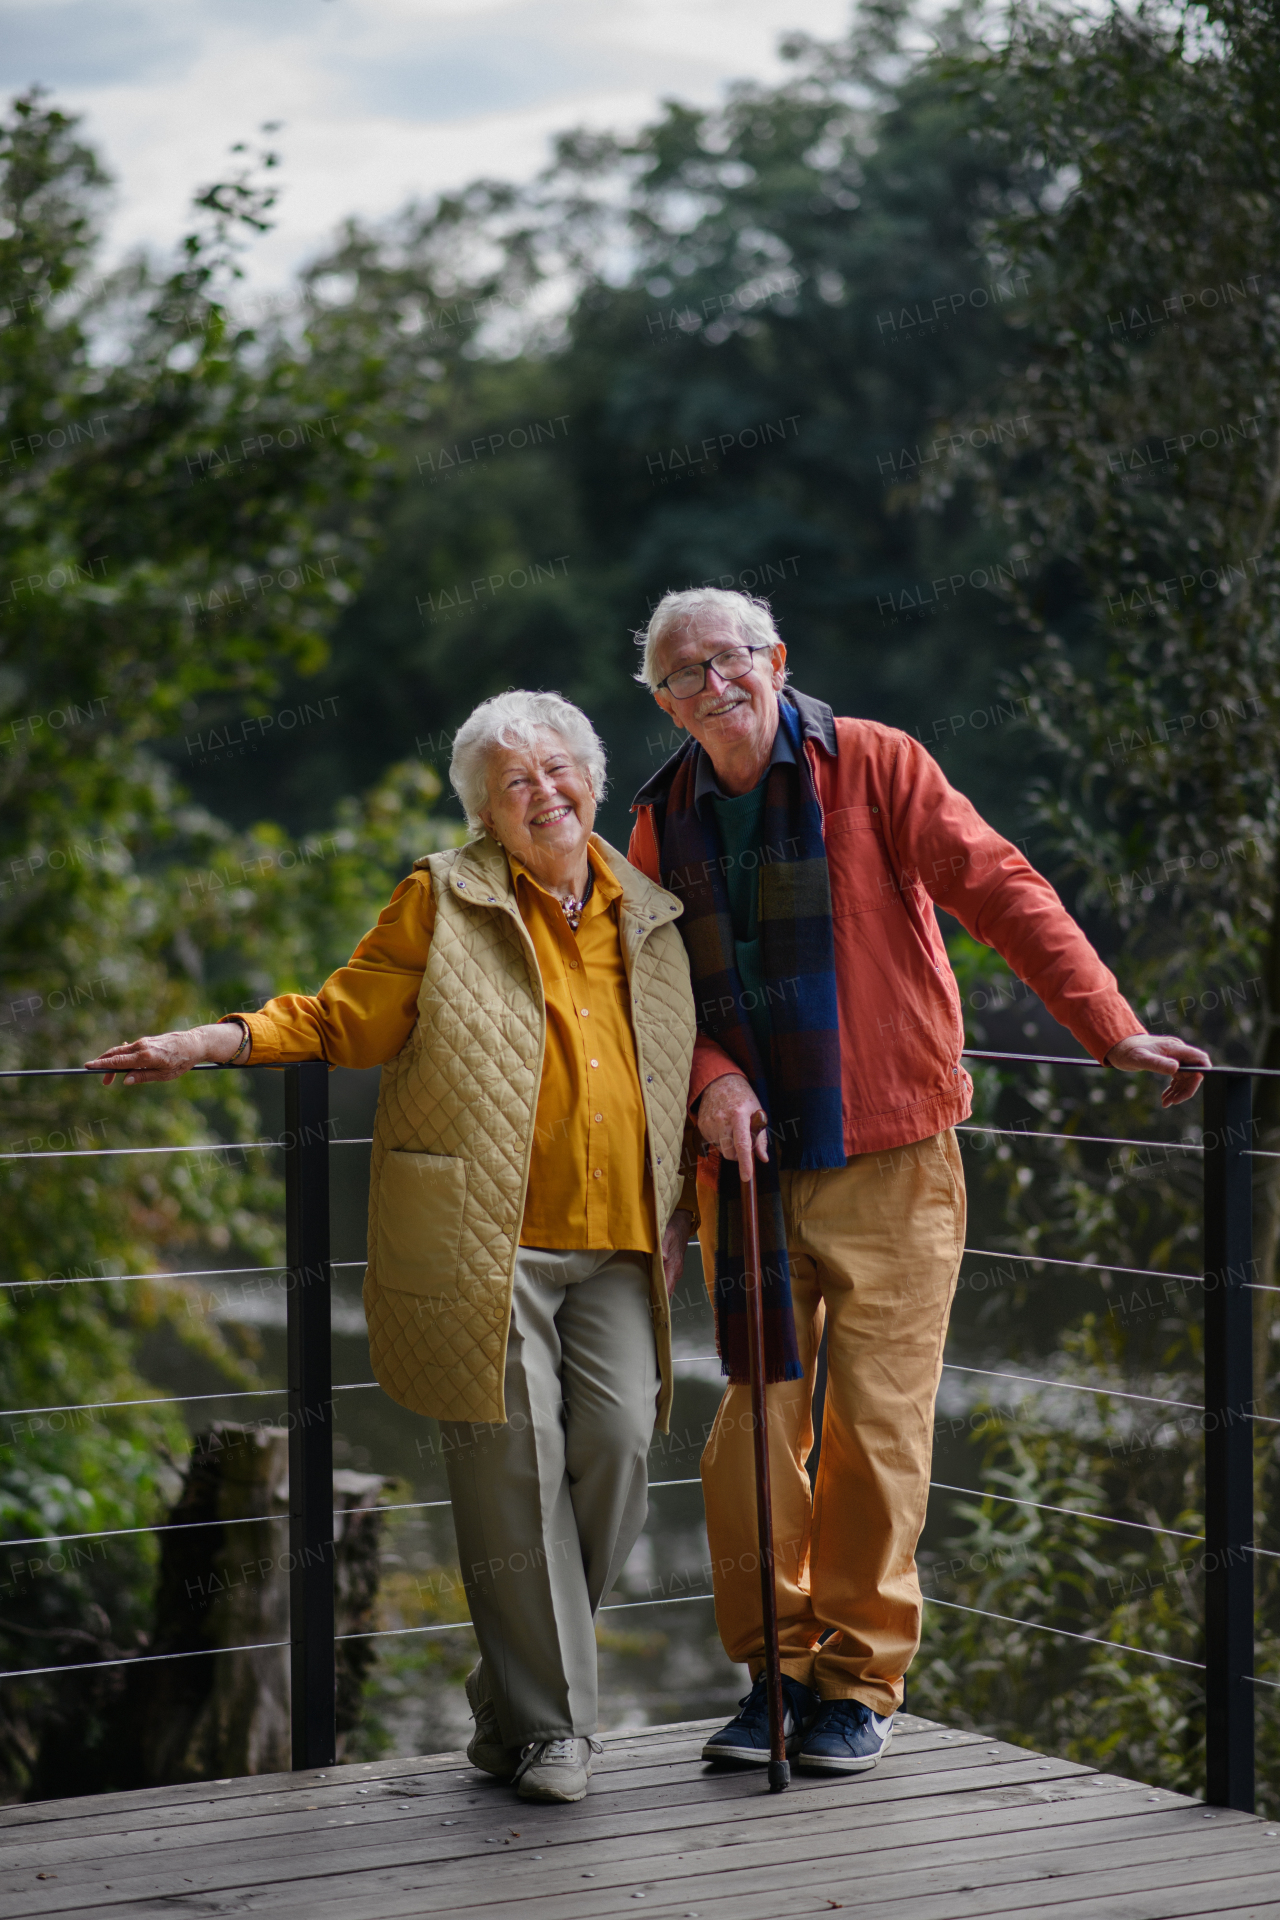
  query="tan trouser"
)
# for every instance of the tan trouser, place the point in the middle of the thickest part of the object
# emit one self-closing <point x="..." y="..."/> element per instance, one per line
<point x="875" y="1251"/>
<point x="548" y="1505"/>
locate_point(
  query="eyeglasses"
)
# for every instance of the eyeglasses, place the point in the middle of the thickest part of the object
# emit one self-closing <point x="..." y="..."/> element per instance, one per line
<point x="734" y="663"/>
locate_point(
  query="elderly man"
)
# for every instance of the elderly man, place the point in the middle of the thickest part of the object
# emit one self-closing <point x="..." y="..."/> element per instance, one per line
<point x="809" y="852"/>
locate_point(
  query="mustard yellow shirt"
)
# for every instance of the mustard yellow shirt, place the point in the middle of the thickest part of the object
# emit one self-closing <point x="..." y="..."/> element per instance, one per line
<point x="589" y="1182"/>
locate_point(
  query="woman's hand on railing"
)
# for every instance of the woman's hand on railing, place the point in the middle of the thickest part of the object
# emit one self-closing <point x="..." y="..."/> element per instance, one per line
<point x="1160" y="1053"/>
<point x="167" y="1056"/>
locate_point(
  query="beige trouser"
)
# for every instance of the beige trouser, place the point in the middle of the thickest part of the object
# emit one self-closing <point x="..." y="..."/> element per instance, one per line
<point x="548" y="1505"/>
<point x="875" y="1251"/>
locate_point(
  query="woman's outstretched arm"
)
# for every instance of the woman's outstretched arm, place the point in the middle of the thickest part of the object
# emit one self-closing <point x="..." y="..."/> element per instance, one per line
<point x="361" y="1017"/>
<point x="166" y="1056"/>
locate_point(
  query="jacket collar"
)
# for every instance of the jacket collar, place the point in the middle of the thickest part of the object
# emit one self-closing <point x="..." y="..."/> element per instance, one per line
<point x="817" y="723"/>
<point x="480" y="875"/>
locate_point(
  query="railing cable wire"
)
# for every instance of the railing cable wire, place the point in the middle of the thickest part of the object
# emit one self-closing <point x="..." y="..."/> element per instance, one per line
<point x="1094" y="1639"/>
<point x="1087" y="1139"/>
<point x="1078" y="1513"/>
<point x="140" y="1660"/>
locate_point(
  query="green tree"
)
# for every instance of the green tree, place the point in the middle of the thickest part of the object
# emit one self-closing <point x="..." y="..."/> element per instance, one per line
<point x="160" y="457"/>
<point x="1147" y="492"/>
<point x="793" y="278"/>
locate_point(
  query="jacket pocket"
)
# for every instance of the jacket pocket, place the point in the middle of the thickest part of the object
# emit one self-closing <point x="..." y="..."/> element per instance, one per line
<point x="421" y="1197"/>
<point x="861" y="877"/>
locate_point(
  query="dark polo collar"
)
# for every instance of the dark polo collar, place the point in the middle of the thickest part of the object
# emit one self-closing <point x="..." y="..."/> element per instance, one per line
<point x="817" y="723"/>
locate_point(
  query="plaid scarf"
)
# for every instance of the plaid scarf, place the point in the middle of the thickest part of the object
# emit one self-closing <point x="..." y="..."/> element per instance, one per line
<point x="799" y="1085"/>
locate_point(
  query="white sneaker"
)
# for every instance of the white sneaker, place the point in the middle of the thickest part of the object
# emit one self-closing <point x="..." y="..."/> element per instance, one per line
<point x="556" y="1769"/>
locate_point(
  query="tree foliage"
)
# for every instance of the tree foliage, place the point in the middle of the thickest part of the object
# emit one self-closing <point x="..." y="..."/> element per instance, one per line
<point x="124" y="907"/>
<point x="1147" y="492"/>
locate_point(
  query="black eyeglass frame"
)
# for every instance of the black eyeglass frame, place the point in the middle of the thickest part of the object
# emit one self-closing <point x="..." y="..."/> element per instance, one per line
<point x="753" y="648"/>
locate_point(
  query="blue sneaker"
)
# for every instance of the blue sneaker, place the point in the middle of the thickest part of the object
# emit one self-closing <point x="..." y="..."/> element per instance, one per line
<point x="745" y="1741"/>
<point x="844" y="1737"/>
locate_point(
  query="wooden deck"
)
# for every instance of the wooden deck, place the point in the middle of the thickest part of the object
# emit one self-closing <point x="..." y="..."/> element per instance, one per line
<point x="949" y="1825"/>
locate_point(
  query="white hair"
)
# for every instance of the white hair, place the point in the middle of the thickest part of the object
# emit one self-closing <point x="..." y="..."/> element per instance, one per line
<point x="511" y="719"/>
<point x="752" y="618"/>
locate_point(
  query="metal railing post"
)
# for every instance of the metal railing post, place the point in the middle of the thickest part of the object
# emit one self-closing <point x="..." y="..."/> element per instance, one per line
<point x="1228" y="1440"/>
<point x="311" y="1570"/>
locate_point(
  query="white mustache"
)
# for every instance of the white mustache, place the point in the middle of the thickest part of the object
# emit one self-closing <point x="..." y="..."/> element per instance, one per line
<point x="725" y="704"/>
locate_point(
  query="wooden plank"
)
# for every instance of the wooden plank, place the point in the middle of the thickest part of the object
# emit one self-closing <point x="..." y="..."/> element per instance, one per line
<point x="251" y="1787"/>
<point x="944" y="1810"/>
<point x="268" y="1793"/>
<point x="1249" y="1897"/>
<point x="1168" y="1855"/>
<point x="796" y="1887"/>
<point x="666" y="1861"/>
<point x="799" y="1886"/>
<point x="257" y="1786"/>
<point x="235" y="1818"/>
<point x="376" y="1824"/>
<point x="946" y="1893"/>
<point x="452" y="1859"/>
<point x="715" y="1823"/>
<point x="471" y="1801"/>
<point x="94" y="1813"/>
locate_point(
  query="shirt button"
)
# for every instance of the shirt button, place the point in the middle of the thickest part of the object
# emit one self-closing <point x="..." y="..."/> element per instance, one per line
<point x="584" y="1011"/>
<point x="599" y="1118"/>
<point x="573" y="966"/>
<point x="595" y="1063"/>
<point x="596" y="1174"/>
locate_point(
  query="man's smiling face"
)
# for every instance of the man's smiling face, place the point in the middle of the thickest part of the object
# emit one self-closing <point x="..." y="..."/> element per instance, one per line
<point x="735" y="720"/>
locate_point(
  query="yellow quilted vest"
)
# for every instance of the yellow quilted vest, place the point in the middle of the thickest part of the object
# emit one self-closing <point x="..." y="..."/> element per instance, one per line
<point x="454" y="1130"/>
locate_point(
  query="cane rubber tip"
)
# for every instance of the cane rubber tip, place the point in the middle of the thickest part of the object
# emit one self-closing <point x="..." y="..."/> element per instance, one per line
<point x="779" y="1775"/>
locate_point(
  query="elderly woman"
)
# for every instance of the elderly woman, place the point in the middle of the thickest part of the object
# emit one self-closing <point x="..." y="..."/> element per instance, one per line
<point x="527" y="996"/>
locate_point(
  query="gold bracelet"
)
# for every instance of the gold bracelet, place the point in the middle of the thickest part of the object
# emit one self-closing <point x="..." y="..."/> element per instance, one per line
<point x="245" y="1042"/>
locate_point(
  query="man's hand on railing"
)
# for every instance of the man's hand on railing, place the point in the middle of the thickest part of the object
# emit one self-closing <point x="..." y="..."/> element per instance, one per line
<point x="167" y="1056"/>
<point x="1158" y="1053"/>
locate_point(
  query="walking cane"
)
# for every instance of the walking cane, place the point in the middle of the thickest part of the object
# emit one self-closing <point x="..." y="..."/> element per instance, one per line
<point x="779" y="1769"/>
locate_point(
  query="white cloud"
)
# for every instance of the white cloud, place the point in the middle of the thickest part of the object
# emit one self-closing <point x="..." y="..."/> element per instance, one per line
<point x="381" y="100"/>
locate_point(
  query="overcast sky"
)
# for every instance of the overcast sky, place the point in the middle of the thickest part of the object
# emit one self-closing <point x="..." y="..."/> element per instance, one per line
<point x="379" y="99"/>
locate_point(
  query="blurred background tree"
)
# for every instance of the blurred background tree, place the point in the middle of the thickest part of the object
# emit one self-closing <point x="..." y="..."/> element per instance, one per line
<point x="1147" y="495"/>
<point x="126" y="907"/>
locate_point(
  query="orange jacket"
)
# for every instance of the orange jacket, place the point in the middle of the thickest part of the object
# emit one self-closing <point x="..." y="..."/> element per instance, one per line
<point x="900" y="838"/>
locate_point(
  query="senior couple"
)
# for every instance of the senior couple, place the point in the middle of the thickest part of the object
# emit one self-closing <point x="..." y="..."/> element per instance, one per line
<point x="549" y="1016"/>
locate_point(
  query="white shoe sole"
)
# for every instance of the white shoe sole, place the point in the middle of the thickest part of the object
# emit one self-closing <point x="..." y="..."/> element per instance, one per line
<point x="824" y="1763"/>
<point x="747" y="1756"/>
<point x="551" y="1791"/>
<point x="736" y="1756"/>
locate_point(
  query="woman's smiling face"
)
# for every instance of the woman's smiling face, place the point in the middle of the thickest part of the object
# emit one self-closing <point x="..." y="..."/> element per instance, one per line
<point x="540" y="806"/>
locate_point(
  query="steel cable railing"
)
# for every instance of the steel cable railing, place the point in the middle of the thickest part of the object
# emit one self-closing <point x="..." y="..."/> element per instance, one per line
<point x="1226" y="1152"/>
<point x="1080" y="1139"/>
<point x="1229" y="1417"/>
